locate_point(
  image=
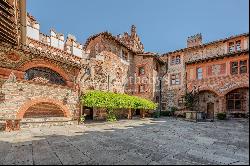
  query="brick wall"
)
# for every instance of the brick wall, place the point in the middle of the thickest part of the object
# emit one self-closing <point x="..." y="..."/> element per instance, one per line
<point x="18" y="94"/>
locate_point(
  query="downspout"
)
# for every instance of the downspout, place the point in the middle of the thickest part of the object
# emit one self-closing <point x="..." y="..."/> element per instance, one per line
<point x="166" y="65"/>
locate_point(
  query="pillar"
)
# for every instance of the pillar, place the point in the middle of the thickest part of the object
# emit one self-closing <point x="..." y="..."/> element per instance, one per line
<point x="23" y="17"/>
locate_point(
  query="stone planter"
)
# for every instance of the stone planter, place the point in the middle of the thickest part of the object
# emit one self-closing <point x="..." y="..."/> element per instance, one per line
<point x="192" y="115"/>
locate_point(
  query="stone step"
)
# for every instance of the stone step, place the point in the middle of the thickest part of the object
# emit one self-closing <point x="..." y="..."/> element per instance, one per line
<point x="46" y="122"/>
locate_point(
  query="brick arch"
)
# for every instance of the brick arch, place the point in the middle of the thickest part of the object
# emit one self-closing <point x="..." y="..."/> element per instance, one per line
<point x="44" y="63"/>
<point x="209" y="90"/>
<point x="236" y="87"/>
<point x="33" y="102"/>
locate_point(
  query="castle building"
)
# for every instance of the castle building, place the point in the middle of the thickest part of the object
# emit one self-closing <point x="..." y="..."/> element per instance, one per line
<point x="42" y="77"/>
<point x="220" y="69"/>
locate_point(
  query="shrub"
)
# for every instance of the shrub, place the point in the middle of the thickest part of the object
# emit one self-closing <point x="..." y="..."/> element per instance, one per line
<point x="156" y="114"/>
<point x="165" y="113"/>
<point x="221" y="116"/>
<point x="111" y="101"/>
<point x="111" y="117"/>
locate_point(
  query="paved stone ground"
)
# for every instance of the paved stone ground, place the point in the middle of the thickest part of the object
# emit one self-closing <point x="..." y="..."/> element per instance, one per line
<point x="134" y="142"/>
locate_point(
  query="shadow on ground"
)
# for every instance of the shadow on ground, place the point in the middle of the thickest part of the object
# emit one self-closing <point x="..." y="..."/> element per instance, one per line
<point x="133" y="142"/>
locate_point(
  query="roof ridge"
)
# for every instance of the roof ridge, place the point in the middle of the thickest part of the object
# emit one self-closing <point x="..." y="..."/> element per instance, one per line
<point x="206" y="44"/>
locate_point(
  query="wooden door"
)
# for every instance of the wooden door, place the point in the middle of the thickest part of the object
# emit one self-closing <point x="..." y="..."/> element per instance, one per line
<point x="210" y="110"/>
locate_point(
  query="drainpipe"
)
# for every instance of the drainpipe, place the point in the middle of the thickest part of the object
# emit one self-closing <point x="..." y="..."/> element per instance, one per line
<point x="108" y="82"/>
<point x="23" y="17"/>
<point x="160" y="97"/>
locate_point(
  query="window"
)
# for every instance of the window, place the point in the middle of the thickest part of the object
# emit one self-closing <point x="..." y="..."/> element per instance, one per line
<point x="141" y="71"/>
<point x="124" y="55"/>
<point x="231" y="47"/>
<point x="243" y="66"/>
<point x="44" y="75"/>
<point x="178" y="59"/>
<point x="234" y="101"/>
<point x="175" y="60"/>
<point x="181" y="101"/>
<point x="238" y="46"/>
<point x="175" y="79"/>
<point x="164" y="106"/>
<point x="141" y="88"/>
<point x="234" y="46"/>
<point x="239" y="67"/>
<point x="199" y="73"/>
<point x="234" y="67"/>
<point x="88" y="71"/>
<point x="156" y="67"/>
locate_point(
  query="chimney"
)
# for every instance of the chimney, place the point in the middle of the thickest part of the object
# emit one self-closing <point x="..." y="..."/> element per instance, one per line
<point x="23" y="17"/>
<point x="194" y="40"/>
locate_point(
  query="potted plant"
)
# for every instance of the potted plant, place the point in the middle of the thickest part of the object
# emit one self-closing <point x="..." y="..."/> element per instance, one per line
<point x="82" y="118"/>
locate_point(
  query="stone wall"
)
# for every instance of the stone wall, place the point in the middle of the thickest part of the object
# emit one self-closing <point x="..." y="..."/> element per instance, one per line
<point x="18" y="95"/>
<point x="173" y="93"/>
<point x="149" y="79"/>
<point x="107" y="68"/>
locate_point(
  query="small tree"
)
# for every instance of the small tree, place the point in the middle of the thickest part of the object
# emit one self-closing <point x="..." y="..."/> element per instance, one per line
<point x="191" y="99"/>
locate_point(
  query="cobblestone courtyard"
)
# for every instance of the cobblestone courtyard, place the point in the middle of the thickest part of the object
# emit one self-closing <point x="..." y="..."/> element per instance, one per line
<point x="149" y="141"/>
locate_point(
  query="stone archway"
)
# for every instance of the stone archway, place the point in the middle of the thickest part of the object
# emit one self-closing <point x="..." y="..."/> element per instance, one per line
<point x="208" y="103"/>
<point x="48" y="108"/>
<point x="41" y="63"/>
<point x="237" y="101"/>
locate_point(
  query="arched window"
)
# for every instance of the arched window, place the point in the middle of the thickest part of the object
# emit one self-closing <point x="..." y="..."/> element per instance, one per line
<point x="44" y="75"/>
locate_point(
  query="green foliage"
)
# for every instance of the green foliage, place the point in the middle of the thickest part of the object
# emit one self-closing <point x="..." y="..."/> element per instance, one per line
<point x="165" y="113"/>
<point x="82" y="118"/>
<point x="221" y="116"/>
<point x="170" y="111"/>
<point x="173" y="109"/>
<point x="156" y="114"/>
<point x="111" y="117"/>
<point x="110" y="100"/>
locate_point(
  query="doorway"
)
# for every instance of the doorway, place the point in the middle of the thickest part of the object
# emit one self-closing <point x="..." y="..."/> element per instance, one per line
<point x="88" y="112"/>
<point x="137" y="112"/>
<point x="210" y="111"/>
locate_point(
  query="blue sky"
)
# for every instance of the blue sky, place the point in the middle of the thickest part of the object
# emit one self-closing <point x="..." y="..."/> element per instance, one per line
<point x="163" y="25"/>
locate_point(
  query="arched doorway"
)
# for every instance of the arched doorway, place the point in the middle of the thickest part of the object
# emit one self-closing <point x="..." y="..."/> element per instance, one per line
<point x="237" y="101"/>
<point x="44" y="75"/>
<point x="43" y="110"/>
<point x="208" y="103"/>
